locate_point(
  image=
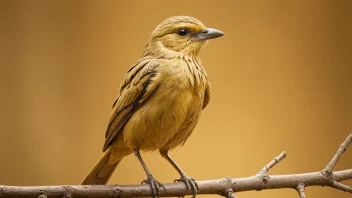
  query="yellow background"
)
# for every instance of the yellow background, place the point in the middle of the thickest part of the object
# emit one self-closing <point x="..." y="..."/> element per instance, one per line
<point x="281" y="80"/>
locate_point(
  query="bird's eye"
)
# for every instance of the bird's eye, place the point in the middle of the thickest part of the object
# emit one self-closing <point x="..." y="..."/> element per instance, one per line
<point x="182" y="31"/>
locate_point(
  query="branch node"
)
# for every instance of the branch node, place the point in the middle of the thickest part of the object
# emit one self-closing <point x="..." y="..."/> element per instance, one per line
<point x="69" y="190"/>
<point x="116" y="192"/>
<point x="228" y="192"/>
<point x="300" y="189"/>
<point x="263" y="173"/>
<point x="43" y="194"/>
<point x="328" y="170"/>
<point x="328" y="176"/>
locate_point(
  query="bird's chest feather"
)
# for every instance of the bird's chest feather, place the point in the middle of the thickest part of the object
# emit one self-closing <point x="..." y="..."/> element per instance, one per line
<point x="184" y="74"/>
<point x="170" y="113"/>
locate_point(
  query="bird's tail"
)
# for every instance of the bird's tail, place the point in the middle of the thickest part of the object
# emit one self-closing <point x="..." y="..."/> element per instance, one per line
<point x="101" y="171"/>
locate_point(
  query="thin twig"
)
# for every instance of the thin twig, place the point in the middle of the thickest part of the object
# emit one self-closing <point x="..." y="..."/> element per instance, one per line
<point x="273" y="162"/>
<point x="300" y="189"/>
<point x="338" y="154"/>
<point x="342" y="187"/>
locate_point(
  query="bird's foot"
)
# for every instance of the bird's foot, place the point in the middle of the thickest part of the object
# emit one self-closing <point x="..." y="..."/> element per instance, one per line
<point x="154" y="185"/>
<point x="190" y="183"/>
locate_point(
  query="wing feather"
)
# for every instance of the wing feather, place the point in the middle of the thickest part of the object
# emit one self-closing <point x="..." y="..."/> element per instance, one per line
<point x="207" y="95"/>
<point x="139" y="83"/>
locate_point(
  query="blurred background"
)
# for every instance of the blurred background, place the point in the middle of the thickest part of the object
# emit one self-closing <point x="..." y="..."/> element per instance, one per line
<point x="281" y="80"/>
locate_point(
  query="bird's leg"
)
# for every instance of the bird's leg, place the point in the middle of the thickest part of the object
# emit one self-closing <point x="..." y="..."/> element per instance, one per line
<point x="154" y="184"/>
<point x="189" y="182"/>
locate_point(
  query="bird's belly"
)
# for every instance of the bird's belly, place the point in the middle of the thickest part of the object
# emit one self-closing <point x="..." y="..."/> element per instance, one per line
<point x="160" y="119"/>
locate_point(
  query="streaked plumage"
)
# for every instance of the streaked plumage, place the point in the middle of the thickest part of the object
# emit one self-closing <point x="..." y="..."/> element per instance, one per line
<point x="160" y="99"/>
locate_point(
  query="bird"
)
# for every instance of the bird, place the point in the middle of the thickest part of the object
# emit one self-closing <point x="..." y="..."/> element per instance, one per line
<point x="160" y="100"/>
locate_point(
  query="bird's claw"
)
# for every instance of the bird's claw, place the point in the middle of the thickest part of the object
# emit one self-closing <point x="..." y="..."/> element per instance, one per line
<point x="154" y="185"/>
<point x="190" y="183"/>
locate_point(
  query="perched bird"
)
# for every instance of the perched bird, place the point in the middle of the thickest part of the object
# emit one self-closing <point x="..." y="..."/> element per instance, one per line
<point x="160" y="100"/>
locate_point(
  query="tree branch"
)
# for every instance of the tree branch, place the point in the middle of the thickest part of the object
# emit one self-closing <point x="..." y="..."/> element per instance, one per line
<point x="224" y="187"/>
<point x="300" y="189"/>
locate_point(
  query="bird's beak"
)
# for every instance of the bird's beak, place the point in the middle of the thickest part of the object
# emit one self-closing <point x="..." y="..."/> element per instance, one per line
<point x="209" y="33"/>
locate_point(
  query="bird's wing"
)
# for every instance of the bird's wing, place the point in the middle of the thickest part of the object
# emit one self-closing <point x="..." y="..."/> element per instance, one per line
<point x="139" y="83"/>
<point x="207" y="95"/>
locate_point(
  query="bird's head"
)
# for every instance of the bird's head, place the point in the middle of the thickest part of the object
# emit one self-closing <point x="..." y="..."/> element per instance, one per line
<point x="179" y="35"/>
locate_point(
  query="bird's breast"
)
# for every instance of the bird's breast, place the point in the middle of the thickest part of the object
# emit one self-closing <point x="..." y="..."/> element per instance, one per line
<point x="185" y="73"/>
<point x="173" y="108"/>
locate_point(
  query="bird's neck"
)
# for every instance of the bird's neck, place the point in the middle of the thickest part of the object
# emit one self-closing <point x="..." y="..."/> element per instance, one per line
<point x="158" y="50"/>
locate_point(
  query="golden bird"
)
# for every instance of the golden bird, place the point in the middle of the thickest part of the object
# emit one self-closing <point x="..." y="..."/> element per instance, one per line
<point x="160" y="100"/>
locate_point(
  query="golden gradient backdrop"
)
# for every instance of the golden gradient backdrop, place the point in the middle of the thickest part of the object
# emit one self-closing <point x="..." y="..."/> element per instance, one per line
<point x="281" y="80"/>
